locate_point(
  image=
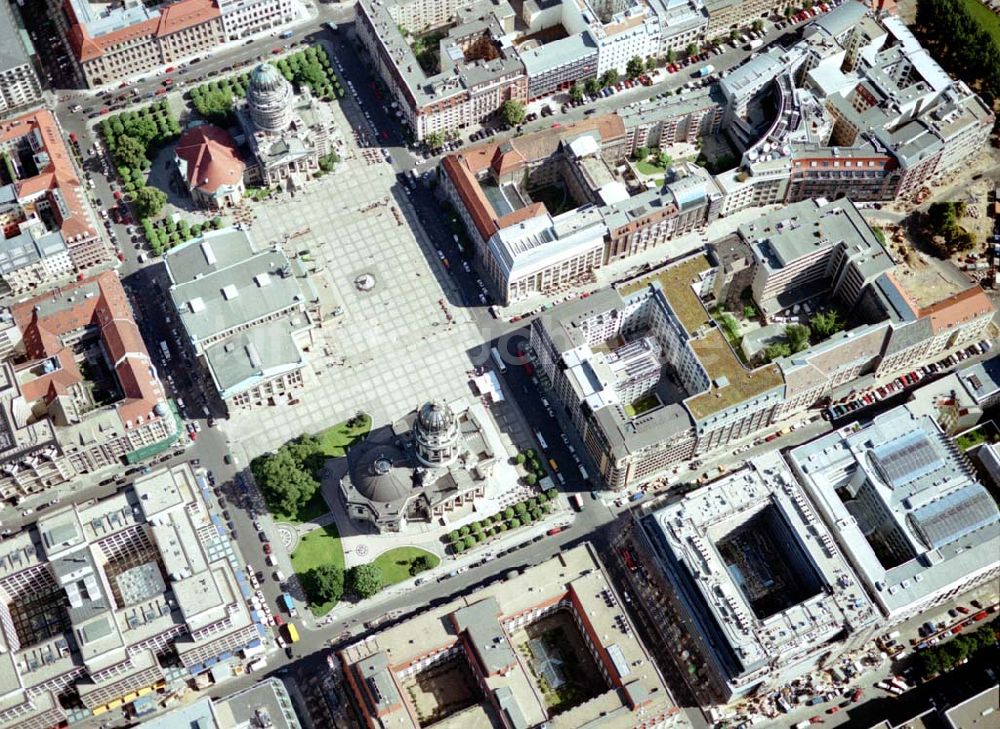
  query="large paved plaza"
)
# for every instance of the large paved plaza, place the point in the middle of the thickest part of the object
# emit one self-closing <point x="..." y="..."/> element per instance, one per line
<point x="393" y="346"/>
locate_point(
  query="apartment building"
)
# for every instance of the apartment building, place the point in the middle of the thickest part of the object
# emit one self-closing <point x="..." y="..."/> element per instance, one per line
<point x="901" y="315"/>
<point x="19" y="86"/>
<point x="862" y="110"/>
<point x="481" y="642"/>
<point x="474" y="77"/>
<point x="681" y="24"/>
<point x="133" y="39"/>
<point x="687" y="118"/>
<point x="748" y="568"/>
<point x="711" y="398"/>
<point x="95" y="595"/>
<point x="111" y="44"/>
<point x="525" y="247"/>
<point x="809" y="248"/>
<point x="265" y="704"/>
<point x="81" y="394"/>
<point x="809" y="253"/>
<point x="726" y="15"/>
<point x="905" y="509"/>
<point x="246" y="313"/>
<point x="47" y="225"/>
<point x="241" y="18"/>
<point x="489" y="54"/>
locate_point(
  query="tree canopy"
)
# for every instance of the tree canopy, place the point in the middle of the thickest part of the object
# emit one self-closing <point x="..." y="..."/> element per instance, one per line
<point x="774" y="351"/>
<point x="576" y="92"/>
<point x="324" y="583"/>
<point x="365" y="580"/>
<point x="635" y="67"/>
<point x="942" y="658"/>
<point x="965" y="38"/>
<point x="946" y="235"/>
<point x="513" y="112"/>
<point x="798" y="336"/>
<point x="421" y="563"/>
<point x="131" y="152"/>
<point x="288" y="477"/>
<point x="610" y="77"/>
<point x="149" y="202"/>
<point x="826" y="324"/>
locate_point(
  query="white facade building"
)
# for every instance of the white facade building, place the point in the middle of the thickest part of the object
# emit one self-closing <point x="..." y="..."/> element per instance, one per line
<point x="905" y="509"/>
<point x="241" y="18"/>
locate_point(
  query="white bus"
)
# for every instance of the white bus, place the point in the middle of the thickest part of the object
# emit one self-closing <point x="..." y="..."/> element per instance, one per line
<point x="541" y="441"/>
<point x="495" y="353"/>
<point x="165" y="349"/>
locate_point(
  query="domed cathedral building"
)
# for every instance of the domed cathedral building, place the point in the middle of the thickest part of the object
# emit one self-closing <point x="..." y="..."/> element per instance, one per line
<point x="429" y="467"/>
<point x="286" y="133"/>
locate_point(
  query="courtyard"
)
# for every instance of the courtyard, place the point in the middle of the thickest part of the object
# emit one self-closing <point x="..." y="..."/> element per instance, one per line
<point x="442" y="690"/>
<point x="563" y="669"/>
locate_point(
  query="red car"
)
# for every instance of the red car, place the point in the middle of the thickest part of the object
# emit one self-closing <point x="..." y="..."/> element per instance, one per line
<point x="267" y="547"/>
<point x="278" y="620"/>
<point x="276" y="51"/>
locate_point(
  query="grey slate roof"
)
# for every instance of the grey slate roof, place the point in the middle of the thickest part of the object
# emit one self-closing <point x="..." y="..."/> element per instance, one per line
<point x="220" y="282"/>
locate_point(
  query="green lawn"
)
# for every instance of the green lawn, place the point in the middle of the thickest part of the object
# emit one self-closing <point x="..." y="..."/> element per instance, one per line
<point x="313" y="509"/>
<point x="984" y="17"/>
<point x="335" y="441"/>
<point x="983" y="433"/>
<point x="395" y="564"/>
<point x="642" y="405"/>
<point x="338" y="438"/>
<point x="320" y="546"/>
<point x="648" y="168"/>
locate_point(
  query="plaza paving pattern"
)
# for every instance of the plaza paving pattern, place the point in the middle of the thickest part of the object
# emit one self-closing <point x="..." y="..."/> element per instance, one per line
<point x="393" y="347"/>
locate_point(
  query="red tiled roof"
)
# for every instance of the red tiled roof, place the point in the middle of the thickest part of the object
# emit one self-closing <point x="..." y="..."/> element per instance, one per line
<point x="107" y="309"/>
<point x="57" y="177"/>
<point x="961" y="308"/>
<point x="173" y="18"/>
<point x="211" y="156"/>
<point x="186" y="14"/>
<point x="463" y="168"/>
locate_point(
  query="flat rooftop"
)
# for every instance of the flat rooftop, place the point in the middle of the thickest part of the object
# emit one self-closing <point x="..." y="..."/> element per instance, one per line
<point x="733" y="383"/>
<point x="751" y="541"/>
<point x="941" y="527"/>
<point x="575" y="575"/>
<point x="676" y="281"/>
<point x="730" y="381"/>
